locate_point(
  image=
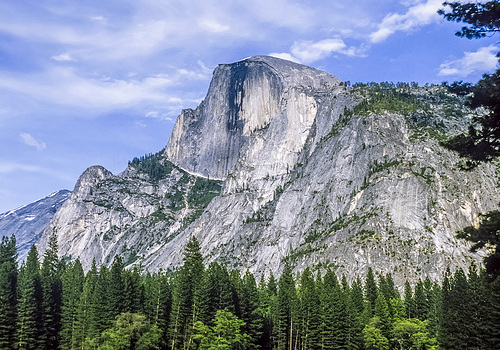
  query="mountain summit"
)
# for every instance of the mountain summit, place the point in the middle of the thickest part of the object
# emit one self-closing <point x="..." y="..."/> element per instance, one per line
<point x="282" y="162"/>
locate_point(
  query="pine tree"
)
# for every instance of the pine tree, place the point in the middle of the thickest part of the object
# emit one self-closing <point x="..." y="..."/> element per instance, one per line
<point x="433" y="295"/>
<point x="8" y="293"/>
<point x="445" y="334"/>
<point x="216" y="293"/>
<point x="72" y="280"/>
<point x="335" y="314"/>
<point x="116" y="287"/>
<point x="86" y="318"/>
<point x="185" y="298"/>
<point x="236" y="285"/>
<point x="265" y="311"/>
<point x="409" y="302"/>
<point x="492" y="318"/>
<point x="133" y="291"/>
<point x="249" y="307"/>
<point x="103" y="300"/>
<point x="286" y="323"/>
<point x="309" y="320"/>
<point x="52" y="295"/>
<point x="158" y="302"/>
<point x="371" y="289"/>
<point x="355" y="314"/>
<point x="421" y="303"/>
<point x="389" y="291"/>
<point x="30" y="304"/>
<point x="382" y="312"/>
<point x="461" y="311"/>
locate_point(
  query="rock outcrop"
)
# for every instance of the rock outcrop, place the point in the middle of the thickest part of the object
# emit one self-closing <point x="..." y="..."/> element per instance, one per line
<point x="284" y="162"/>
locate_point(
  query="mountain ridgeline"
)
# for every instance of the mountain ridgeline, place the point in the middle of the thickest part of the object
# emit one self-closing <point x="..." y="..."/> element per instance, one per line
<point x="284" y="163"/>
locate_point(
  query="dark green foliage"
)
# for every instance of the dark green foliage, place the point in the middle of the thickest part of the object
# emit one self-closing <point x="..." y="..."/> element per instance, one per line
<point x="336" y="314"/>
<point x="8" y="292"/>
<point x="487" y="233"/>
<point x="133" y="291"/>
<point x="216" y="292"/>
<point x="158" y="302"/>
<point x="483" y="18"/>
<point x="309" y="312"/>
<point x="52" y="295"/>
<point x="155" y="165"/>
<point x="409" y="302"/>
<point x="433" y="297"/>
<point x="249" y="309"/>
<point x="371" y="288"/>
<point x="456" y="313"/>
<point x="72" y="280"/>
<point x="420" y="302"/>
<point x="86" y="313"/>
<point x="186" y="296"/>
<point x="30" y="304"/>
<point x="381" y="311"/>
<point x="116" y="288"/>
<point x="387" y="97"/>
<point x="482" y="142"/>
<point x="286" y="322"/>
<point x="172" y="311"/>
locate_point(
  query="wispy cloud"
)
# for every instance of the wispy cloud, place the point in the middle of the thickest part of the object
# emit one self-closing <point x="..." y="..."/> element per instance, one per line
<point x="65" y="86"/>
<point x="30" y="141"/>
<point x="13" y="167"/>
<point x="63" y="57"/>
<point x="312" y="51"/>
<point x="482" y="60"/>
<point x="6" y="168"/>
<point x="159" y="115"/>
<point x="420" y="14"/>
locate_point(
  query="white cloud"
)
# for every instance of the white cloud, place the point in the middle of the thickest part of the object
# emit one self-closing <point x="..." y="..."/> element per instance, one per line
<point x="64" y="86"/>
<point x="285" y="56"/>
<point x="63" y="57"/>
<point x="417" y="15"/>
<point x="312" y="51"/>
<point x="99" y="18"/>
<point x="213" y="26"/>
<point x="6" y="168"/>
<point x="159" y="115"/>
<point x="30" y="141"/>
<point x="482" y="60"/>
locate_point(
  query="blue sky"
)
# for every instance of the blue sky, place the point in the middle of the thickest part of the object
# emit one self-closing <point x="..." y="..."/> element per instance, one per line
<point x="100" y="82"/>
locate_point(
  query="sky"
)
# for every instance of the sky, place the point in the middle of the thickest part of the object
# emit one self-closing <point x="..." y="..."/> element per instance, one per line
<point x="101" y="82"/>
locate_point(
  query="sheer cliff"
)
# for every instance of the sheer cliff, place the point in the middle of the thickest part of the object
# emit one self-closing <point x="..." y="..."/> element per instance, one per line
<point x="284" y="162"/>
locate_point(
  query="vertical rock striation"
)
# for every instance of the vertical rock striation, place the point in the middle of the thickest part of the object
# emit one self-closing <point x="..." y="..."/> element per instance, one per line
<point x="284" y="162"/>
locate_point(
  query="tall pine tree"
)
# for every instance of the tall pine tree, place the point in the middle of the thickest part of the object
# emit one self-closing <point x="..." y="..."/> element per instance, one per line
<point x="186" y="296"/>
<point x="52" y="295"/>
<point x="30" y="304"/>
<point x="8" y="293"/>
<point x="72" y="280"/>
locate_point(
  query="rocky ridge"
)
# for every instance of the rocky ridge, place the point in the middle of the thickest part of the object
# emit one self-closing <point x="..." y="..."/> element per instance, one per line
<point x="29" y="221"/>
<point x="291" y="164"/>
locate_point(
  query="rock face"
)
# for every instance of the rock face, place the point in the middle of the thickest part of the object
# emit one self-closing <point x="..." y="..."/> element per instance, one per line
<point x="29" y="221"/>
<point x="284" y="162"/>
<point x="243" y="98"/>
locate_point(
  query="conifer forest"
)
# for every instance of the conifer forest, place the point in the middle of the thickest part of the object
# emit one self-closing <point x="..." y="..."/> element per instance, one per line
<point x="54" y="304"/>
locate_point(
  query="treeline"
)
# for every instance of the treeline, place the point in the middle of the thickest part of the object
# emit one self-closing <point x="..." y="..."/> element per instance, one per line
<point x="55" y="305"/>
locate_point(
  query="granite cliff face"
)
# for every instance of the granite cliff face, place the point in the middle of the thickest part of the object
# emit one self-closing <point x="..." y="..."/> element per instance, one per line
<point x="29" y="221"/>
<point x="284" y="162"/>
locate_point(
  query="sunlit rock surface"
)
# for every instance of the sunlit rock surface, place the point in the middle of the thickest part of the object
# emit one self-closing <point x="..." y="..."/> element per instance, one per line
<point x="292" y="171"/>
